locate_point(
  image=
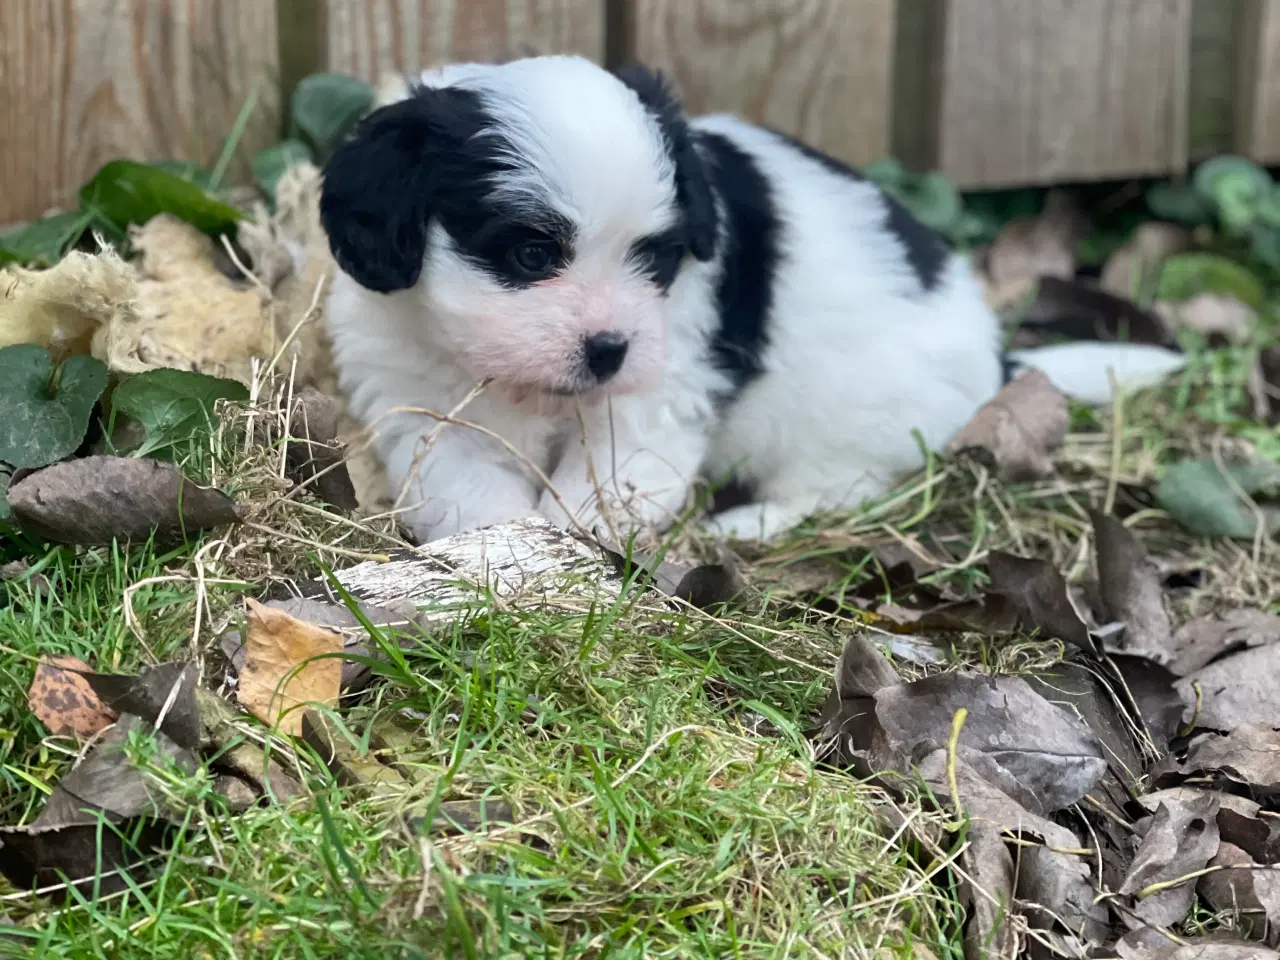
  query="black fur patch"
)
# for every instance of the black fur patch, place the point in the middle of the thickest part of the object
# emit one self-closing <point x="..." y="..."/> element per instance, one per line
<point x="750" y="258"/>
<point x="660" y="256"/>
<point x="926" y="251"/>
<point x="420" y="159"/>
<point x="1009" y="367"/>
<point x="693" y="192"/>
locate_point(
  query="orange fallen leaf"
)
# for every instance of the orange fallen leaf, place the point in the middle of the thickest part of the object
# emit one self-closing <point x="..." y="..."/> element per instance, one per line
<point x="278" y="673"/>
<point x="64" y="702"/>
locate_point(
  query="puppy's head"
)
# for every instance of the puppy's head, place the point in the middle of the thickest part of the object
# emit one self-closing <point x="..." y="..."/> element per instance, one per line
<point x="541" y="209"/>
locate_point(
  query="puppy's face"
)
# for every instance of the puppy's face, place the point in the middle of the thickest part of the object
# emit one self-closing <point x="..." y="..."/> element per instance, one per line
<point x="541" y="209"/>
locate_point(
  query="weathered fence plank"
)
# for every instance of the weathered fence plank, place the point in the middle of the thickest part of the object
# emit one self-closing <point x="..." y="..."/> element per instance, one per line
<point x="87" y="81"/>
<point x="1258" y="95"/>
<point x="1063" y="89"/>
<point x="1214" y="66"/>
<point x="371" y="38"/>
<point x="821" y="70"/>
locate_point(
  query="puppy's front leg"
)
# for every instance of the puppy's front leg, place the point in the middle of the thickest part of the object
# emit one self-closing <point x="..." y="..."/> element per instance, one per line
<point x="463" y="482"/>
<point x="629" y="464"/>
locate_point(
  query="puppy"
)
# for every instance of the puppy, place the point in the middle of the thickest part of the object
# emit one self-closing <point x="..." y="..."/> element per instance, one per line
<point x="650" y="299"/>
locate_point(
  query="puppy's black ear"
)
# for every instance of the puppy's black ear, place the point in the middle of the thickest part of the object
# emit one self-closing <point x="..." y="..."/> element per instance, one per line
<point x="693" y="185"/>
<point x="375" y="198"/>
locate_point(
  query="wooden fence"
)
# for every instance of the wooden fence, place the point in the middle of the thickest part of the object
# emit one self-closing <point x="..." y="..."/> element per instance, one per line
<point x="992" y="92"/>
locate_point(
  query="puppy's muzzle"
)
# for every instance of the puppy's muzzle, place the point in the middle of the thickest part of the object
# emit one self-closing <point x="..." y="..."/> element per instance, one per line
<point x="603" y="353"/>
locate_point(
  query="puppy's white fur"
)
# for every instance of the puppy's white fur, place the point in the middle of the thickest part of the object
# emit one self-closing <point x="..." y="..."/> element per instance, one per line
<point x="858" y="360"/>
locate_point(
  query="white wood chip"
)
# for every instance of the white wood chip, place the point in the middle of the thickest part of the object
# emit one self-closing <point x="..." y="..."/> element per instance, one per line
<point x="525" y="563"/>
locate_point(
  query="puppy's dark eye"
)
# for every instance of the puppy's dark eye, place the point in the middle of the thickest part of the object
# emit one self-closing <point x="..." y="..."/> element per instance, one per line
<point x="535" y="258"/>
<point x="659" y="257"/>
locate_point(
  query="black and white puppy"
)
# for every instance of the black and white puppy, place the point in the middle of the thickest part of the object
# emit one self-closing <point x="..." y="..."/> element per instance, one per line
<point x="654" y="299"/>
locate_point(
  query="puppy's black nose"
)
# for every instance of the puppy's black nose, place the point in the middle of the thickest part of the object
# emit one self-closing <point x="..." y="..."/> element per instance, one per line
<point x="603" y="354"/>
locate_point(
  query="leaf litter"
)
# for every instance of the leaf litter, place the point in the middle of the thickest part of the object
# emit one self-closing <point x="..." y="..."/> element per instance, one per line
<point x="1110" y="791"/>
<point x="1044" y="770"/>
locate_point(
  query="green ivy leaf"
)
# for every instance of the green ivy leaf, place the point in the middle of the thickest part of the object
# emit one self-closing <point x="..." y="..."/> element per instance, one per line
<point x="44" y="242"/>
<point x="1269" y="208"/>
<point x="1237" y="186"/>
<point x="973" y="228"/>
<point x="1188" y="274"/>
<point x="1203" y="499"/>
<point x="272" y="163"/>
<point x="932" y="199"/>
<point x="327" y="106"/>
<point x="185" y="170"/>
<point x="45" y="416"/>
<point x="885" y="172"/>
<point x="1180" y="204"/>
<point x="125" y="192"/>
<point x="1266" y="245"/>
<point x="172" y="405"/>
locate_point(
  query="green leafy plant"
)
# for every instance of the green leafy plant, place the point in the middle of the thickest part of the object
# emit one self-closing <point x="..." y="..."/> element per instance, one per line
<point x="324" y="109"/>
<point x="1204" y="496"/>
<point x="190" y="172"/>
<point x="44" y="242"/>
<point x="46" y="408"/>
<point x="1233" y="191"/>
<point x="1186" y="275"/>
<point x="930" y="197"/>
<point x="172" y="406"/>
<point x="272" y="163"/>
<point x="125" y="192"/>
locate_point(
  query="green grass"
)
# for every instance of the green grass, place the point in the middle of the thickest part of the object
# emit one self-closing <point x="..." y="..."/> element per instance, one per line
<point x="667" y="802"/>
<point x="657" y="823"/>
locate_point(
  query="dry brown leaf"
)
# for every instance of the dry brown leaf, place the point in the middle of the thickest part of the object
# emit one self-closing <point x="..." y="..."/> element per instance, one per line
<point x="1152" y="687"/>
<point x="988" y="884"/>
<point x="1057" y="888"/>
<point x="1129" y="267"/>
<point x="1039" y="594"/>
<point x="1181" y="839"/>
<point x="394" y="616"/>
<point x="1237" y="690"/>
<point x="1240" y="886"/>
<point x="67" y="842"/>
<point x="95" y="500"/>
<point x="1212" y="315"/>
<point x="1248" y="756"/>
<point x="1040" y="246"/>
<point x="279" y="675"/>
<point x="314" y="455"/>
<point x="1131" y="590"/>
<point x="1199" y="642"/>
<point x="1020" y="427"/>
<point x="1148" y="944"/>
<point x="63" y="701"/>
